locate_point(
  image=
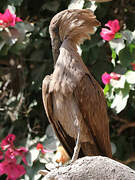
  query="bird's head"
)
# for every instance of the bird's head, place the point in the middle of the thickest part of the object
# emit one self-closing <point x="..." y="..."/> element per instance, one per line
<point x="75" y="25"/>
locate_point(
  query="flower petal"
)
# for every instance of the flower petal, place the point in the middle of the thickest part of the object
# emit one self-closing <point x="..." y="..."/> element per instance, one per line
<point x="106" y="78"/>
<point x="8" y="141"/>
<point x="115" y="26"/>
<point x="18" y="19"/>
<point x="106" y="34"/>
<point x="115" y="76"/>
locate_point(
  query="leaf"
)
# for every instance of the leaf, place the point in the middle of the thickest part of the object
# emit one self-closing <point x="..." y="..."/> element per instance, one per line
<point x="120" y="99"/>
<point x="51" y="5"/>
<point x="119" y="69"/>
<point x="31" y="156"/>
<point x="117" y="44"/>
<point x="130" y="77"/>
<point x="125" y="57"/>
<point x="90" y="5"/>
<point x="4" y="51"/>
<point x="76" y="4"/>
<point x="113" y="54"/>
<point x="2" y="43"/>
<point x="17" y="47"/>
<point x="106" y="88"/>
<point x="132" y="50"/>
<point x="118" y="35"/>
<point x="33" y="173"/>
<point x="15" y="2"/>
<point x="114" y="148"/>
<point x="51" y="143"/>
<point x="127" y="35"/>
<point x="23" y="28"/>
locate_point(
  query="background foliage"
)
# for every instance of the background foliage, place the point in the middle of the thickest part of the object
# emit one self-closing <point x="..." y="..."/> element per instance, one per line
<point x="26" y="57"/>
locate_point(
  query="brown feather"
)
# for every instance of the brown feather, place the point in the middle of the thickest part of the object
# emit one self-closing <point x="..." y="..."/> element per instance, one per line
<point x="71" y="95"/>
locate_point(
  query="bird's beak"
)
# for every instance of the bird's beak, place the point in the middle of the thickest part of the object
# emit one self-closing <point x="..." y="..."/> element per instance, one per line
<point x="56" y="43"/>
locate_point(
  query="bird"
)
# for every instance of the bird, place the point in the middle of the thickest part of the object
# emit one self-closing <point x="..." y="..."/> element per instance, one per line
<point x="74" y="101"/>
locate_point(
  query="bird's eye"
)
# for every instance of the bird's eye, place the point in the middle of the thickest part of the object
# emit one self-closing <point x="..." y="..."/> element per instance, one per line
<point x="55" y="29"/>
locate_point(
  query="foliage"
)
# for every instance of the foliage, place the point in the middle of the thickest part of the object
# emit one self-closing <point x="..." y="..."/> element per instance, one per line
<point x="26" y="57"/>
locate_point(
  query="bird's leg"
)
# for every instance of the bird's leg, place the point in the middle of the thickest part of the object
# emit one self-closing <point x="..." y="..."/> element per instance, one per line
<point x="77" y="147"/>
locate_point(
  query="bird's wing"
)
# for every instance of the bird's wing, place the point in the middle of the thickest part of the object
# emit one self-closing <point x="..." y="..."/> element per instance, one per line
<point x="67" y="141"/>
<point x="92" y="105"/>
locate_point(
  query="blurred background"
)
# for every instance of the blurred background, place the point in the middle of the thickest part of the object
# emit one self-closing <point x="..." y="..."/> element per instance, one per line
<point x="26" y="58"/>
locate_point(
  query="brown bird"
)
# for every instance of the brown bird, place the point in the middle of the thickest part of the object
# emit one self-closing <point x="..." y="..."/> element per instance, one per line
<point x="74" y="101"/>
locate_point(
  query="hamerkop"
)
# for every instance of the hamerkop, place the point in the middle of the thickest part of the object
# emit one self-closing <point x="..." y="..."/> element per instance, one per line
<point x="74" y="101"/>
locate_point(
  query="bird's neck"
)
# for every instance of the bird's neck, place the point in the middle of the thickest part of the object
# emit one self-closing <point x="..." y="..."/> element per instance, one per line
<point x="69" y="45"/>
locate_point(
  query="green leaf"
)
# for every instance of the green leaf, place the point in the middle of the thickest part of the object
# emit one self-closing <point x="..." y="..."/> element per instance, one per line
<point x="4" y="51"/>
<point x="132" y="47"/>
<point x="113" y="54"/>
<point x="130" y="77"/>
<point x="17" y="48"/>
<point x="2" y="43"/>
<point x="125" y="57"/>
<point x="106" y="88"/>
<point x="118" y="35"/>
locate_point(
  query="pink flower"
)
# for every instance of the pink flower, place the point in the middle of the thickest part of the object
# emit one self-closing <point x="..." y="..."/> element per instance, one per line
<point x="8" y="141"/>
<point x="21" y="152"/>
<point x="11" y="169"/>
<point x="107" y="77"/>
<point x="8" y="19"/>
<point x="109" y="34"/>
<point x="9" y="165"/>
<point x="133" y="66"/>
<point x="115" y="76"/>
<point x="1" y="155"/>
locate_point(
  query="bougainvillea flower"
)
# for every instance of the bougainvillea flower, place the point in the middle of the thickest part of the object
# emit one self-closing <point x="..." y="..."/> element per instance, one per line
<point x="8" y="141"/>
<point x="8" y="19"/>
<point x="133" y="66"/>
<point x="9" y="155"/>
<point x="1" y="155"/>
<point x="11" y="169"/>
<point x="9" y="164"/>
<point x="106" y="78"/>
<point x="41" y="147"/>
<point x="109" y="34"/>
<point x="115" y="76"/>
<point x="21" y="152"/>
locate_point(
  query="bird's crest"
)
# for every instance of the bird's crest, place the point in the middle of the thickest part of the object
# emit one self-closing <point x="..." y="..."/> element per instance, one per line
<point x="75" y="25"/>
